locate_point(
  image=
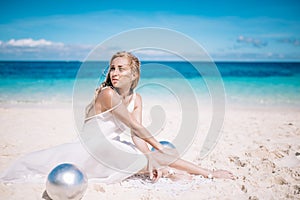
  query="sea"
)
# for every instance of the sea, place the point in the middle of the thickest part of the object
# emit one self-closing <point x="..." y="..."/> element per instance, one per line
<point x="275" y="84"/>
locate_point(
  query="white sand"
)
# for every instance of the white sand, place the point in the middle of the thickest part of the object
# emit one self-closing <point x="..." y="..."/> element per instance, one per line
<point x="257" y="145"/>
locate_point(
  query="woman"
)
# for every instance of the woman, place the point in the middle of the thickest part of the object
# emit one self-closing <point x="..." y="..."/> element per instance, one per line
<point x="115" y="102"/>
<point x="123" y="77"/>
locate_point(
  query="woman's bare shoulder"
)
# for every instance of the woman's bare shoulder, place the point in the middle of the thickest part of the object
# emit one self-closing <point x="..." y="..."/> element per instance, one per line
<point x="108" y="98"/>
<point x="106" y="92"/>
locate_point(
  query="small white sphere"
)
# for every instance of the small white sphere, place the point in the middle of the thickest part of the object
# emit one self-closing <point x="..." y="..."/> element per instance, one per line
<point x="66" y="181"/>
<point x="166" y="144"/>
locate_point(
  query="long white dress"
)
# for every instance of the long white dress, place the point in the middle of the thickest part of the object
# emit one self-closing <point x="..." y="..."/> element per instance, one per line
<point x="102" y="153"/>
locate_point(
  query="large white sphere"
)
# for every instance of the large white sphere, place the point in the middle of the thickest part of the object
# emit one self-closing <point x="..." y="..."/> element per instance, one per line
<point x="66" y="181"/>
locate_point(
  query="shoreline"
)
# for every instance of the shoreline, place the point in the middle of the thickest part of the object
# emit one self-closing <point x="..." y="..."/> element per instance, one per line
<point x="228" y="106"/>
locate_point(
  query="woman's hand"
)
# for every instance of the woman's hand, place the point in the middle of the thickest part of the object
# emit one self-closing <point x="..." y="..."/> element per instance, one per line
<point x="152" y="168"/>
<point x="155" y="175"/>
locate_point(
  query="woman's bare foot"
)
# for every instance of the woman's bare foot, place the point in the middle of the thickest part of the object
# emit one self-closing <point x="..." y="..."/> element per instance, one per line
<point x="223" y="174"/>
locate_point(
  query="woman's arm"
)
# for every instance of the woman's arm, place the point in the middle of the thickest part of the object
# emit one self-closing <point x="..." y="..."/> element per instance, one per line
<point x="154" y="173"/>
<point x="137" y="114"/>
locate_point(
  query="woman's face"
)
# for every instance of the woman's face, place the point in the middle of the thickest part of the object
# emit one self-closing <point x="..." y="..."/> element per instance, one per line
<point x="120" y="73"/>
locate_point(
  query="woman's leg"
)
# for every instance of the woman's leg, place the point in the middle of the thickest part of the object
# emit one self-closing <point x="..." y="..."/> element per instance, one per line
<point x="191" y="168"/>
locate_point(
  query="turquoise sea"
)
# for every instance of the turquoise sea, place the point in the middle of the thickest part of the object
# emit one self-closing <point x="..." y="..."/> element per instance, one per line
<point x="245" y="83"/>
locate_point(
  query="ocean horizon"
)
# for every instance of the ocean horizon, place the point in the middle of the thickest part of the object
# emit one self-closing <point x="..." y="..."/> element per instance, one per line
<point x="245" y="83"/>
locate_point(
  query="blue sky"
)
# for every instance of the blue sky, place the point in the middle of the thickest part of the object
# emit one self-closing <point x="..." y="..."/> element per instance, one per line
<point x="228" y="30"/>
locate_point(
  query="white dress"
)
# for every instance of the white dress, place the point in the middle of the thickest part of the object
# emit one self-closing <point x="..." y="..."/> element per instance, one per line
<point x="106" y="156"/>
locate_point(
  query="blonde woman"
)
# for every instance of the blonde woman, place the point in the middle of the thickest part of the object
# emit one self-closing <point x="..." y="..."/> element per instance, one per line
<point x="118" y="92"/>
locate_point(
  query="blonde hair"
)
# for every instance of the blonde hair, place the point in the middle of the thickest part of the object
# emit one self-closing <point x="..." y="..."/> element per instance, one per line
<point x="134" y="64"/>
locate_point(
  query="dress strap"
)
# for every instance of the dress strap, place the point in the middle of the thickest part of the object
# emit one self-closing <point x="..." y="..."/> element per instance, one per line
<point x="130" y="106"/>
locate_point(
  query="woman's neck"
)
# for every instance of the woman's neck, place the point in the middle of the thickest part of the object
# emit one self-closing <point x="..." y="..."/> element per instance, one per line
<point x="124" y="92"/>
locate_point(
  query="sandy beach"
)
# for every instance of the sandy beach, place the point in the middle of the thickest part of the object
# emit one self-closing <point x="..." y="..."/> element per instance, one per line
<point x="258" y="145"/>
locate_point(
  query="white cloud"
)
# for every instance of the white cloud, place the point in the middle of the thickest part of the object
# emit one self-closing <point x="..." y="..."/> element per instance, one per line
<point x="255" y="56"/>
<point x="148" y="54"/>
<point x="292" y="41"/>
<point x="251" y="41"/>
<point x="28" y="48"/>
<point x="28" y="42"/>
